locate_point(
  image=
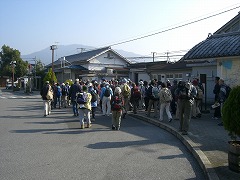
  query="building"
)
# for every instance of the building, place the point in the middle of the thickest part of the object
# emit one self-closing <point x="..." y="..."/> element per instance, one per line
<point x="92" y="65"/>
<point x="223" y="49"/>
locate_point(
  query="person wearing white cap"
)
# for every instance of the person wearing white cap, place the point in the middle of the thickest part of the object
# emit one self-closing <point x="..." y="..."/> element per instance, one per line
<point x="47" y="96"/>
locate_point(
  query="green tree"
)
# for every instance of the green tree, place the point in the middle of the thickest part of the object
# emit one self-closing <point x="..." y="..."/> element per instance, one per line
<point x="49" y="76"/>
<point x="9" y="55"/>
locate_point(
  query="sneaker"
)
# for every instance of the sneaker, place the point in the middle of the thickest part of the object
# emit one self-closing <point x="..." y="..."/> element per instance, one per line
<point x="170" y="120"/>
<point x="89" y="125"/>
<point x="45" y="115"/>
<point x="215" y="105"/>
<point x="82" y="126"/>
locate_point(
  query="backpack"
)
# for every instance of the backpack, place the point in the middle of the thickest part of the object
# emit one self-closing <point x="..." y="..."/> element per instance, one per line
<point x="81" y="98"/>
<point x="228" y="90"/>
<point x="94" y="96"/>
<point x="116" y="103"/>
<point x="136" y="93"/>
<point x="199" y="93"/>
<point x="107" y="92"/>
<point x="126" y="91"/>
<point x="59" y="91"/>
<point x="155" y="92"/>
<point x="49" y="95"/>
<point x="64" y="90"/>
<point x="167" y="95"/>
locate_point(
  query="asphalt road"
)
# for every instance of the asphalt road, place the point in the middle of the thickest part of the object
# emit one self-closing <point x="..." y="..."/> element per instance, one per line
<point x="53" y="147"/>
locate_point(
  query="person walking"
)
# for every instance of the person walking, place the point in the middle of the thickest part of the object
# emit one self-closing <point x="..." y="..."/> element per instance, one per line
<point x="84" y="101"/>
<point x="222" y="96"/>
<point x="135" y="97"/>
<point x="185" y="94"/>
<point x="165" y="99"/>
<point x="74" y="89"/>
<point x="173" y="103"/>
<point x="197" y="100"/>
<point x="144" y="94"/>
<point x="64" y="95"/>
<point x="106" y="94"/>
<point x="141" y="89"/>
<point x="153" y="95"/>
<point x="126" y="93"/>
<point x="47" y="96"/>
<point x="117" y="104"/>
<point x="216" y="91"/>
<point x="94" y="100"/>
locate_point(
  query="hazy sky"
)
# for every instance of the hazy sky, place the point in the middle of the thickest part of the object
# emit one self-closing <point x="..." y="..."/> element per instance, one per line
<point x="33" y="25"/>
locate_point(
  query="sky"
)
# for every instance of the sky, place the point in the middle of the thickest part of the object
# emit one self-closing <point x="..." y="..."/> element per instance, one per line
<point x="32" y="25"/>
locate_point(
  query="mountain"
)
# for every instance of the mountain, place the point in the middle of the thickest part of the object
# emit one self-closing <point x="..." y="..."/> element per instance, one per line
<point x="45" y="55"/>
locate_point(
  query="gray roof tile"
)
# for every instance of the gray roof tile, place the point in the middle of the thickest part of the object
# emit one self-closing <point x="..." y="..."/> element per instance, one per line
<point x="217" y="45"/>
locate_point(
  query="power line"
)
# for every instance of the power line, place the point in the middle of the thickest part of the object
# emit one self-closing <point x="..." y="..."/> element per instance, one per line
<point x="176" y="27"/>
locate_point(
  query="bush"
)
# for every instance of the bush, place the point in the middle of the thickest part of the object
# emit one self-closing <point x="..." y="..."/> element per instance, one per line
<point x="231" y="113"/>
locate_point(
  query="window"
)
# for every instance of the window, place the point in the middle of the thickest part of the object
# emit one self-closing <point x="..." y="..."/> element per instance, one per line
<point x="178" y="76"/>
<point x="169" y="76"/>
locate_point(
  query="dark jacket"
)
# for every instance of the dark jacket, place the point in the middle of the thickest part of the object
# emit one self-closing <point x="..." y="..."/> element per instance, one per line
<point x="44" y="91"/>
<point x="74" y="89"/>
<point x="216" y="91"/>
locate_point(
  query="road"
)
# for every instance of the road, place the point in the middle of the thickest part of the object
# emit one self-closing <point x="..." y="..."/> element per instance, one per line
<point x="53" y="147"/>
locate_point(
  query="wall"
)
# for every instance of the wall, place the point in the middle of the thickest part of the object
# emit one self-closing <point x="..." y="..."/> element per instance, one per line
<point x="228" y="69"/>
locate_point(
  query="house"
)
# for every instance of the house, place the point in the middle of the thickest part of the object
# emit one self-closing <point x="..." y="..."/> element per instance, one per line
<point x="222" y="48"/>
<point x="218" y="55"/>
<point x="92" y="65"/>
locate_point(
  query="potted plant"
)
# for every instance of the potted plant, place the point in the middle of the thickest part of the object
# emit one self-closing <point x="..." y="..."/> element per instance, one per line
<point x="231" y="122"/>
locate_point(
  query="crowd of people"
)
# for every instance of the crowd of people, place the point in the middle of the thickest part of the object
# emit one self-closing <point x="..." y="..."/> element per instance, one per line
<point x="118" y="97"/>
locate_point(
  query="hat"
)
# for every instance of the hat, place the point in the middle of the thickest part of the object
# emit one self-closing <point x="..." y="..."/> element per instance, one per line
<point x="90" y="84"/>
<point x="47" y="82"/>
<point x="63" y="84"/>
<point x="141" y="82"/>
<point x="77" y="80"/>
<point x="117" y="90"/>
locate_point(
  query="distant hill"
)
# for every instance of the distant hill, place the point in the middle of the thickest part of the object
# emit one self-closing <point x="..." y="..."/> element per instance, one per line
<point x="45" y="55"/>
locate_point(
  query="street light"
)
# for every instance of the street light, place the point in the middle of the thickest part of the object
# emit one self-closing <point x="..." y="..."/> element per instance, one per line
<point x="13" y="63"/>
<point x="53" y="47"/>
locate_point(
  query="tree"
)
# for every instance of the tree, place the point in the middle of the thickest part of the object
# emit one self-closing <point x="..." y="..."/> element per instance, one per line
<point x="48" y="77"/>
<point x="9" y="55"/>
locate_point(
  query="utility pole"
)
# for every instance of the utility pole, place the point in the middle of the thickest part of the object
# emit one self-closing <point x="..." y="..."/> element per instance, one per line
<point x="153" y="55"/>
<point x="53" y="47"/>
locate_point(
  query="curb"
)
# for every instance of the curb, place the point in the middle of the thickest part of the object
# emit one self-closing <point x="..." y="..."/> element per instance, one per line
<point x="191" y="146"/>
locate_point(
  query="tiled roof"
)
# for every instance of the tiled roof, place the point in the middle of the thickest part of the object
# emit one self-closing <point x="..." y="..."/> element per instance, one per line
<point x="217" y="45"/>
<point x="86" y="55"/>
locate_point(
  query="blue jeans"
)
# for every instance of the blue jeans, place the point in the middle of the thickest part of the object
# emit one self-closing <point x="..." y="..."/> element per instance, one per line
<point x="75" y="107"/>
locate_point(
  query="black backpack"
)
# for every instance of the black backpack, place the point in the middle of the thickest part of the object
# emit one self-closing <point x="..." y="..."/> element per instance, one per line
<point x="81" y="98"/>
<point x="94" y="96"/>
<point x="107" y="92"/>
<point x="117" y="103"/>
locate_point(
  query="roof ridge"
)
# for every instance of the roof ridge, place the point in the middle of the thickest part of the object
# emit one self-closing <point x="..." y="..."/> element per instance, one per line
<point x="224" y="34"/>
